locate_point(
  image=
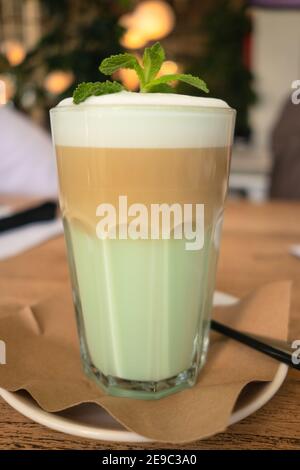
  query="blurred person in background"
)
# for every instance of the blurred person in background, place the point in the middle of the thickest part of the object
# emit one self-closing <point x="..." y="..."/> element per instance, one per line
<point x="27" y="165"/>
<point x="285" y="146"/>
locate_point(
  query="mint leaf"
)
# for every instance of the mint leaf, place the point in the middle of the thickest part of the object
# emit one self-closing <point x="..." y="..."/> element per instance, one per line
<point x="86" y="89"/>
<point x="183" y="77"/>
<point x="116" y="62"/>
<point x="161" y="88"/>
<point x="152" y="60"/>
<point x="121" y="61"/>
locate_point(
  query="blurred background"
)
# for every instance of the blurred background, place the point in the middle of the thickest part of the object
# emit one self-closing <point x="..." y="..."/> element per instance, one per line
<point x="248" y="53"/>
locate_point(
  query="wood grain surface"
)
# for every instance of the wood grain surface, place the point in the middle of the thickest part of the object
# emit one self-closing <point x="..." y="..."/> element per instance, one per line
<point x="255" y="250"/>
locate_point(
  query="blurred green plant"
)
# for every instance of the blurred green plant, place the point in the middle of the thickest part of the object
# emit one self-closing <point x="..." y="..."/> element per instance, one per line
<point x="225" y="28"/>
<point x="78" y="34"/>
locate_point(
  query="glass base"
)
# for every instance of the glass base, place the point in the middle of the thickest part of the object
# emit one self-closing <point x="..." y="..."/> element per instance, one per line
<point x="145" y="390"/>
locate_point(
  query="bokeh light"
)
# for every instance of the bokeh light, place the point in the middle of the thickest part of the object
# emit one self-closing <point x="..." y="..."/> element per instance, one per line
<point x="129" y="79"/>
<point x="2" y="93"/>
<point x="58" y="81"/>
<point x="168" y="67"/>
<point x="151" y="20"/>
<point x="14" y="52"/>
<point x="7" y="89"/>
<point x="133" y="39"/>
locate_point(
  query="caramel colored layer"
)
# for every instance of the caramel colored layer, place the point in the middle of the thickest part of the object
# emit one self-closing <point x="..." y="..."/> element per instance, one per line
<point x="91" y="176"/>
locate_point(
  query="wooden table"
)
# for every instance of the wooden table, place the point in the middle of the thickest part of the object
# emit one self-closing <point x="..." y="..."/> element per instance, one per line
<point x="255" y="250"/>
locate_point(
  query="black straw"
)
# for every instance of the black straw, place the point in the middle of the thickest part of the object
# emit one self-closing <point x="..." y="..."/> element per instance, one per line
<point x="40" y="213"/>
<point x="255" y="343"/>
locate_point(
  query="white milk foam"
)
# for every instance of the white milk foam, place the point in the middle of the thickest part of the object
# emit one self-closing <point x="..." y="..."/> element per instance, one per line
<point x="142" y="120"/>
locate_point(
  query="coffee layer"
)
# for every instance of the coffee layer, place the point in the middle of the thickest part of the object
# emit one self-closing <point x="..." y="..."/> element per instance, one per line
<point x="92" y="176"/>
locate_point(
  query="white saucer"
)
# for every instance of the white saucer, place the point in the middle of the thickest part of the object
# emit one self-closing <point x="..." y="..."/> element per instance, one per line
<point x="93" y="422"/>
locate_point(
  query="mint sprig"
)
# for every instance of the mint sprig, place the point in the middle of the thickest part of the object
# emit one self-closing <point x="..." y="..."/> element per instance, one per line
<point x="153" y="59"/>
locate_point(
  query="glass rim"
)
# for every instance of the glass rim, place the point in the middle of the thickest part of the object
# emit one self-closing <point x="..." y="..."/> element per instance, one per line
<point x="164" y="107"/>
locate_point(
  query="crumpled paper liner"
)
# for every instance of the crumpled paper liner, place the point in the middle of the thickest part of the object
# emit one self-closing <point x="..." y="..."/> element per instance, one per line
<point x="43" y="358"/>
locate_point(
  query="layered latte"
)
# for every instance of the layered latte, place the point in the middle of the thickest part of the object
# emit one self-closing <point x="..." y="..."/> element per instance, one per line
<point x="143" y="302"/>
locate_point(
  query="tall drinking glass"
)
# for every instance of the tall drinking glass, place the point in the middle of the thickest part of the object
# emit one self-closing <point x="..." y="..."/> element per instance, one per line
<point x="142" y="190"/>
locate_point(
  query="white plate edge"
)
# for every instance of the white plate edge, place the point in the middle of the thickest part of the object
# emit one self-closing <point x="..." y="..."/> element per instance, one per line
<point x="67" y="426"/>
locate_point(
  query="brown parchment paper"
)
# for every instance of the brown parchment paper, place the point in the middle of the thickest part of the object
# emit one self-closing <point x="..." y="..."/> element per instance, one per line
<point x="37" y="323"/>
